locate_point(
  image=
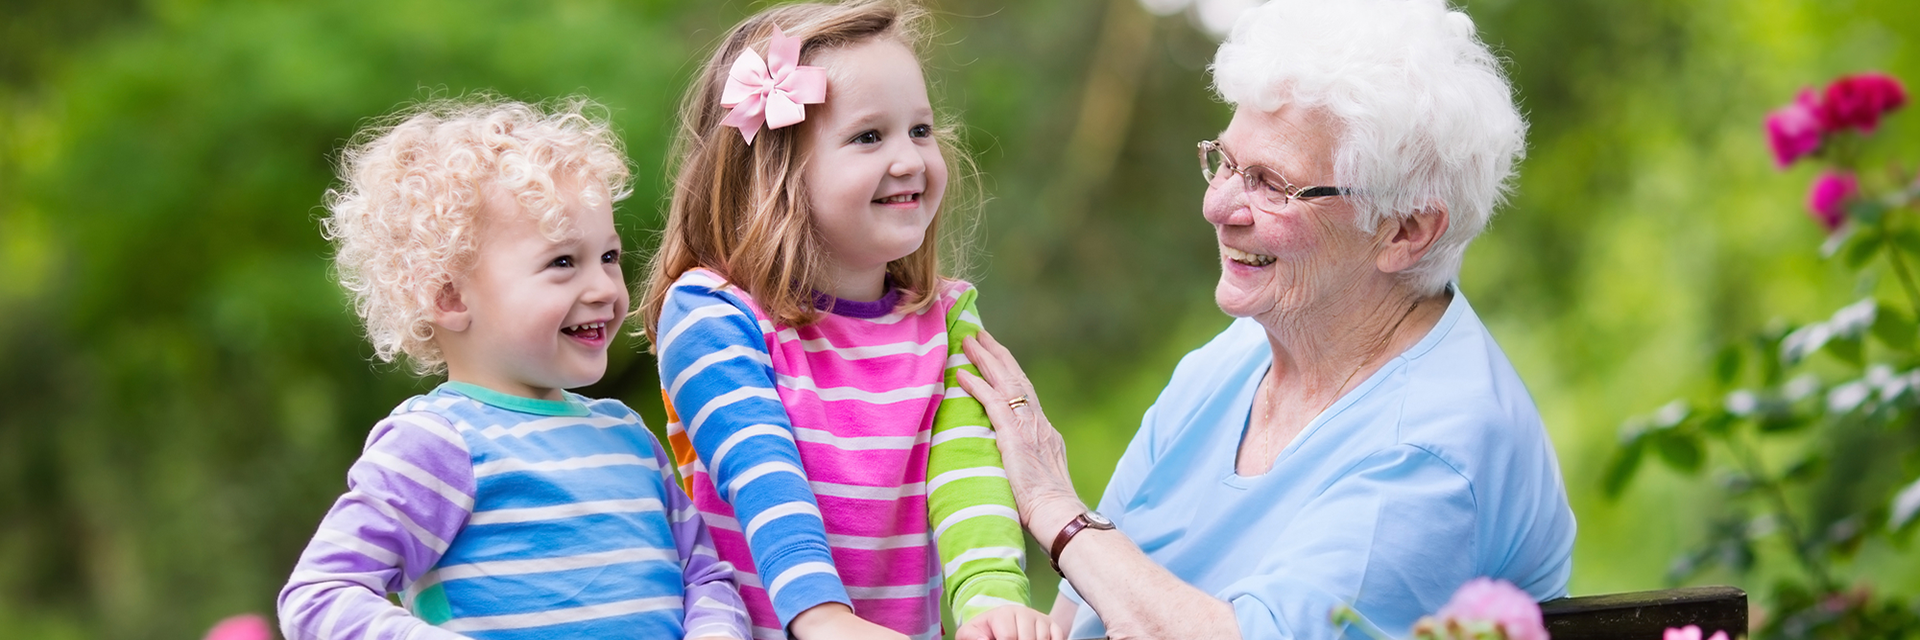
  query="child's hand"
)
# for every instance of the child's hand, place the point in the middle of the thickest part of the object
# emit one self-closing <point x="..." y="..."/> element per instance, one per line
<point x="1011" y="622"/>
<point x="834" y="621"/>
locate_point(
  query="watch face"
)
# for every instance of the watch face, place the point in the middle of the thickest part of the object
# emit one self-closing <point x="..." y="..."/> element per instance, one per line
<point x="1097" y="521"/>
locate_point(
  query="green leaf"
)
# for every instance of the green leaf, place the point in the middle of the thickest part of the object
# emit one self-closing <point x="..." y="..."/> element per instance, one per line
<point x="1626" y="460"/>
<point x="1682" y="451"/>
<point x="1862" y="249"/>
<point x="1892" y="326"/>
<point x="1866" y="210"/>
<point x="1906" y="239"/>
<point x="1726" y="365"/>
<point x="1850" y="350"/>
<point x="1805" y="469"/>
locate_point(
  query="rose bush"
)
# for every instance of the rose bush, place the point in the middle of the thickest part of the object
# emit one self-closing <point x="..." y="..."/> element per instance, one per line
<point x="1842" y="395"/>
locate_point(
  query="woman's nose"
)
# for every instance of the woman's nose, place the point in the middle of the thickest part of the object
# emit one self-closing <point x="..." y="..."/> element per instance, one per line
<point x="1226" y="204"/>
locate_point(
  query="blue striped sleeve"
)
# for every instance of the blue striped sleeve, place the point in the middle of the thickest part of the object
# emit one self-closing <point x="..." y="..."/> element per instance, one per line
<point x="717" y="372"/>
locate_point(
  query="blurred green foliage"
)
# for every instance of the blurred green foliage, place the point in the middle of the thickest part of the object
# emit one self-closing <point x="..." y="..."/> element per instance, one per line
<point x="182" y="386"/>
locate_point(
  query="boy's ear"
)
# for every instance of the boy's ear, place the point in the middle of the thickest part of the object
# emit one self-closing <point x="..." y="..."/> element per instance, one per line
<point x="449" y="311"/>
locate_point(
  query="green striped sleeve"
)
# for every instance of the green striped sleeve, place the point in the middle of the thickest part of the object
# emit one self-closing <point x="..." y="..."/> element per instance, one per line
<point x="978" y="532"/>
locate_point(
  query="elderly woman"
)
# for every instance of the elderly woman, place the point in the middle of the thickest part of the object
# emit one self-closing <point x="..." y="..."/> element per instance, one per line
<point x="1355" y="436"/>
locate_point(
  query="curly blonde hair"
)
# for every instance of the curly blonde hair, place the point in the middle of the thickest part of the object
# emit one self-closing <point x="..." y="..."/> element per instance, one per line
<point x="405" y="216"/>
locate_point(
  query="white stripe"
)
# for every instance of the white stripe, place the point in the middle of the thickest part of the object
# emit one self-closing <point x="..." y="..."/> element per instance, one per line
<point x="595" y="461"/>
<point x="725" y="399"/>
<point x="570" y="510"/>
<point x="450" y="573"/>
<point x="771" y="514"/>
<point x="742" y="435"/>
<point x="958" y="360"/>
<point x="756" y="471"/>
<point x="962" y="474"/>
<point x="956" y="391"/>
<point x="436" y="427"/>
<point x="707" y="603"/>
<point x="855" y="443"/>
<point x="902" y="541"/>
<point x="984" y="601"/>
<point x="970" y="317"/>
<point x="413" y="528"/>
<point x="831" y="394"/>
<point x="796" y="572"/>
<point x="983" y="553"/>
<point x="750" y="352"/>
<point x="715" y="630"/>
<point x="559" y="616"/>
<point x="859" y="492"/>
<point x="715" y="310"/>
<point x="523" y="429"/>
<point x="956" y="433"/>
<point x="368" y="581"/>
<point x="358" y="545"/>
<point x="769" y="633"/>
<point x="977" y="511"/>
<point x="904" y="347"/>
<point x="887" y="593"/>
<point x="717" y="521"/>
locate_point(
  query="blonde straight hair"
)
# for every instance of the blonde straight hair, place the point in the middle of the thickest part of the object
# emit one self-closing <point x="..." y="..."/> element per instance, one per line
<point x="742" y="210"/>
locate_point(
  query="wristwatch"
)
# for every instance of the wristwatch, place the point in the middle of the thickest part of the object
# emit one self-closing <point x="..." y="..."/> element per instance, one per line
<point x="1088" y="520"/>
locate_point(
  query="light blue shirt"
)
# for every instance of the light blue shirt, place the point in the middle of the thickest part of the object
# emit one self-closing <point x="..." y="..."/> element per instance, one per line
<point x="1433" y="471"/>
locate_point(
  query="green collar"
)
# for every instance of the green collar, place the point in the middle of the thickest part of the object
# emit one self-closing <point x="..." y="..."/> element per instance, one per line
<point x="570" y="407"/>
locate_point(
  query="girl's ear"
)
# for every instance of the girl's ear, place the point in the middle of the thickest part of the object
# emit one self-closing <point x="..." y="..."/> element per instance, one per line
<point x="449" y="311"/>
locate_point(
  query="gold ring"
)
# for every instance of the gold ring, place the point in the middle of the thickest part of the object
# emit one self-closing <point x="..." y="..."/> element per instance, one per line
<point x="1017" y="402"/>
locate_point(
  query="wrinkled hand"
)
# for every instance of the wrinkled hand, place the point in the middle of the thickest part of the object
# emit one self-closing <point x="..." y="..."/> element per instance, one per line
<point x="1010" y="622"/>
<point x="1034" y="454"/>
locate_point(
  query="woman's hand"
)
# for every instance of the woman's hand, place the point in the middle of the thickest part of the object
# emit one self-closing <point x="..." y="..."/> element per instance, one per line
<point x="835" y="621"/>
<point x="1034" y="454"/>
<point x="1010" y="622"/>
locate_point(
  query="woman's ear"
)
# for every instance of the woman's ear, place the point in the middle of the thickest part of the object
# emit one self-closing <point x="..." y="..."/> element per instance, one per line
<point x="1409" y="238"/>
<point x="449" y="311"/>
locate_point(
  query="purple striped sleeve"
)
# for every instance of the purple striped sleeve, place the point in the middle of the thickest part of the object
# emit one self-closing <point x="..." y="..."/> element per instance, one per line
<point x="409" y="493"/>
<point x="712" y="600"/>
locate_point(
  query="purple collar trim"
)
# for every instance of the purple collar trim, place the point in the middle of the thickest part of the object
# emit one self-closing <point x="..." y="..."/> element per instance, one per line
<point x="856" y="308"/>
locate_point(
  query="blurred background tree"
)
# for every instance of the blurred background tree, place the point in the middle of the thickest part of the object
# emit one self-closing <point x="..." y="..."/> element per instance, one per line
<point x="182" y="386"/>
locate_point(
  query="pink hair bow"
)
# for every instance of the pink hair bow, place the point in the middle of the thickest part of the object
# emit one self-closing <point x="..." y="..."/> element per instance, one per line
<point x="771" y="91"/>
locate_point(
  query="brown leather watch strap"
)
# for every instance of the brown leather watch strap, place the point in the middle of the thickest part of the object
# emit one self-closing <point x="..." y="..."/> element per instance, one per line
<point x="1088" y="520"/>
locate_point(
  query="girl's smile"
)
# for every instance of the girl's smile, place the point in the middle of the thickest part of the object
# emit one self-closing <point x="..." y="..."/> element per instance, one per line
<point x="874" y="172"/>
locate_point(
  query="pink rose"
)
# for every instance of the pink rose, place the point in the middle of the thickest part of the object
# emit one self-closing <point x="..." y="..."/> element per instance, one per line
<point x="1858" y="101"/>
<point x="248" y="626"/>
<point x="1691" y="632"/>
<point x="1794" y="130"/>
<point x="1827" y="201"/>
<point x="1497" y="602"/>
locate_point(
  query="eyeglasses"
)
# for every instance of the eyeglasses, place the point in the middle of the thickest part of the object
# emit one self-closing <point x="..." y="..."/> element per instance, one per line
<point x="1262" y="184"/>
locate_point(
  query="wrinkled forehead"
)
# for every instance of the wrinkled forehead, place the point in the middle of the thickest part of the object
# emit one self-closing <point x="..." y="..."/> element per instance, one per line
<point x="1297" y="141"/>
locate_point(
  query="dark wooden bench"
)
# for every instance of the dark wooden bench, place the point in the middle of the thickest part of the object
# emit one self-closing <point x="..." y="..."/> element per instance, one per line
<point x="1646" y="615"/>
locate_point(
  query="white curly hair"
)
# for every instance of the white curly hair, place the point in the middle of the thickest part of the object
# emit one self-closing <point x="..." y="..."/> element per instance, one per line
<point x="404" y="217"/>
<point x="1425" y="112"/>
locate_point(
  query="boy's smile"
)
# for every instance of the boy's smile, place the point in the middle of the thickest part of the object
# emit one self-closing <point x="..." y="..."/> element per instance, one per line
<point x="534" y="316"/>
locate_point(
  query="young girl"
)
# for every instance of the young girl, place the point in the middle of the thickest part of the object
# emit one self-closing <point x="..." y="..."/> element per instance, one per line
<point x="477" y="238"/>
<point x="807" y="342"/>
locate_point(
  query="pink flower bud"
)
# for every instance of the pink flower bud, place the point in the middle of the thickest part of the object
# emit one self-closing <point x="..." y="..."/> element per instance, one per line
<point x="1794" y="130"/>
<point x="1858" y="101"/>
<point x="1827" y="201"/>
<point x="248" y="626"/>
<point x="1497" y="602"/>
